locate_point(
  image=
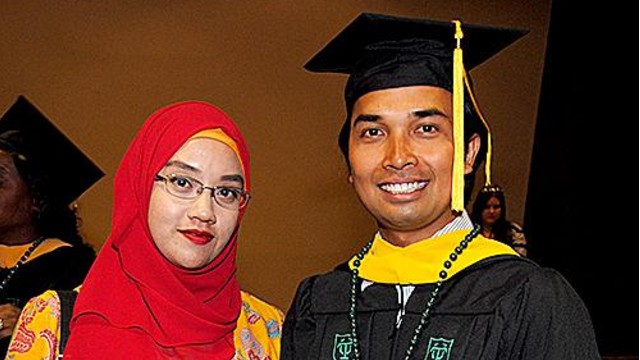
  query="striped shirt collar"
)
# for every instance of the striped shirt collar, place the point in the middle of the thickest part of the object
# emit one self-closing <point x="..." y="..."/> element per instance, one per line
<point x="461" y="222"/>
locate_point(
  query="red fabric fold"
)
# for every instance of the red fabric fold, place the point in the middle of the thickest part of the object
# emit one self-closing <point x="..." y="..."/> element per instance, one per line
<point x="132" y="293"/>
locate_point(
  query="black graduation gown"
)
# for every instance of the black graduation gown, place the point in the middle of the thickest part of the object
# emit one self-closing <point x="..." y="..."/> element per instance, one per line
<point x="61" y="269"/>
<point x="504" y="307"/>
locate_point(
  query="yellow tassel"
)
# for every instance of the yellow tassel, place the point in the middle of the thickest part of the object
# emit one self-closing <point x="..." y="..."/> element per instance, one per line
<point x="457" y="183"/>
<point x="487" y="163"/>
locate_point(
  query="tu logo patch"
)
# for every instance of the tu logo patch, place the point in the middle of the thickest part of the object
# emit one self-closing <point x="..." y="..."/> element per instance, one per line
<point x="342" y="347"/>
<point x="439" y="349"/>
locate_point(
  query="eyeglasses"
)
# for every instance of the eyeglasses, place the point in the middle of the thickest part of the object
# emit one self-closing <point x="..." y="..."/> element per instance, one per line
<point x="185" y="187"/>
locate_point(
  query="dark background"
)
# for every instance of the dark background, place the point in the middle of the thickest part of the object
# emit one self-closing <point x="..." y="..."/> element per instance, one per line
<point x="579" y="203"/>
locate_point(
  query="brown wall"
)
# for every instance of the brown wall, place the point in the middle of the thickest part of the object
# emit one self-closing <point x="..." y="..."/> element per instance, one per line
<point x="99" y="70"/>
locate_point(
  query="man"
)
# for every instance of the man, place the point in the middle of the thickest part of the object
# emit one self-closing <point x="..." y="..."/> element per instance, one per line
<point x="428" y="286"/>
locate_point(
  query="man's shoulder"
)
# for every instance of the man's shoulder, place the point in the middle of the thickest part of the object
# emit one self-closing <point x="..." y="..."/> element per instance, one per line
<point x="324" y="292"/>
<point x="500" y="268"/>
<point x="504" y="276"/>
<point x="335" y="277"/>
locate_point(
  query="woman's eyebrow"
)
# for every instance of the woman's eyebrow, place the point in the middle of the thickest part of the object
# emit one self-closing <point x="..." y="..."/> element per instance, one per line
<point x="235" y="177"/>
<point x="181" y="165"/>
<point x="184" y="166"/>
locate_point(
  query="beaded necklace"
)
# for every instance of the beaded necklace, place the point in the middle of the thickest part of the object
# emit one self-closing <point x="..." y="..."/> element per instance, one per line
<point x="20" y="262"/>
<point x="429" y="306"/>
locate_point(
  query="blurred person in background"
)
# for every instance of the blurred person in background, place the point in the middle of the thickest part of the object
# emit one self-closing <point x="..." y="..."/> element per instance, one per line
<point x="41" y="174"/>
<point x="490" y="212"/>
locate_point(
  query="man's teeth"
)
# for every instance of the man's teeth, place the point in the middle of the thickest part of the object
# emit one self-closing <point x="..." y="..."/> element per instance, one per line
<point x="404" y="188"/>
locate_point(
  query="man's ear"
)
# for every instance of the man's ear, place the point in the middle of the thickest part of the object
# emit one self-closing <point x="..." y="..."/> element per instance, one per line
<point x="473" y="147"/>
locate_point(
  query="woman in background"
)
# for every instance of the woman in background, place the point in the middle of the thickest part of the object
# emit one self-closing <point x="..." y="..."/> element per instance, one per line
<point x="41" y="173"/>
<point x="490" y="212"/>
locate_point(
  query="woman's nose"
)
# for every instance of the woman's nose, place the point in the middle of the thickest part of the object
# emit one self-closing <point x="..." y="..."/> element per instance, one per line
<point x="203" y="208"/>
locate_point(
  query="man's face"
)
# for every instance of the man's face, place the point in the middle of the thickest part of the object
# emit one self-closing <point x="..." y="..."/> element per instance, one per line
<point x="401" y="155"/>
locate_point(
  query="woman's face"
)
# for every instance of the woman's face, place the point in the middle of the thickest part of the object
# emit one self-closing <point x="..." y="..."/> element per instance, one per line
<point x="190" y="233"/>
<point x="16" y="205"/>
<point x="492" y="211"/>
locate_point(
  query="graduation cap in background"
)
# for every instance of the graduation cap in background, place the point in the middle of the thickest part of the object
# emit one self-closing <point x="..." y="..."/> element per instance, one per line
<point x="66" y="171"/>
<point x="382" y="51"/>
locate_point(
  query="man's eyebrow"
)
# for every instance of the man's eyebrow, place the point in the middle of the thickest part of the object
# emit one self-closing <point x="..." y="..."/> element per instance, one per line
<point x="366" y="118"/>
<point x="419" y="114"/>
<point x="427" y="113"/>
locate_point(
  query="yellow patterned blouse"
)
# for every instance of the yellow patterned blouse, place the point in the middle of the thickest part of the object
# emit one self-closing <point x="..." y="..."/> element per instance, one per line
<point x="37" y="333"/>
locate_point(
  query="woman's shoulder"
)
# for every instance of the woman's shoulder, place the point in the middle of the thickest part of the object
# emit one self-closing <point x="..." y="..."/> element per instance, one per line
<point x="49" y="297"/>
<point x="515" y="226"/>
<point x="252" y="304"/>
<point x="47" y="303"/>
<point x="37" y="331"/>
<point x="259" y="329"/>
<point x="58" y="254"/>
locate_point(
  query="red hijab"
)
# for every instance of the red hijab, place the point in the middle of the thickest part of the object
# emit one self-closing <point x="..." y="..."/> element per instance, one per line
<point x="134" y="303"/>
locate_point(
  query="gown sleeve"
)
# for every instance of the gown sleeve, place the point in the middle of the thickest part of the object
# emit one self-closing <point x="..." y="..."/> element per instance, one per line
<point x="299" y="324"/>
<point x="550" y="321"/>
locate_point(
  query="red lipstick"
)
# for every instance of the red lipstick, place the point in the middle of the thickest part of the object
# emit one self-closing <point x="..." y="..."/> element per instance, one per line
<point x="197" y="237"/>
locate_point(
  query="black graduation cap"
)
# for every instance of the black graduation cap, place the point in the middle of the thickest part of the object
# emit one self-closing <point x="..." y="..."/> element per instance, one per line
<point x="383" y="51"/>
<point x="27" y="133"/>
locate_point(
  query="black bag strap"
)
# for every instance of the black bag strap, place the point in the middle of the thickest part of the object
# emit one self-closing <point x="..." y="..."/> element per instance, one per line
<point x="67" y="300"/>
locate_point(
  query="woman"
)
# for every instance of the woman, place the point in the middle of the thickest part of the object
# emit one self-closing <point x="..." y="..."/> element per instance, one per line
<point x="490" y="212"/>
<point x="164" y="285"/>
<point x="40" y="246"/>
